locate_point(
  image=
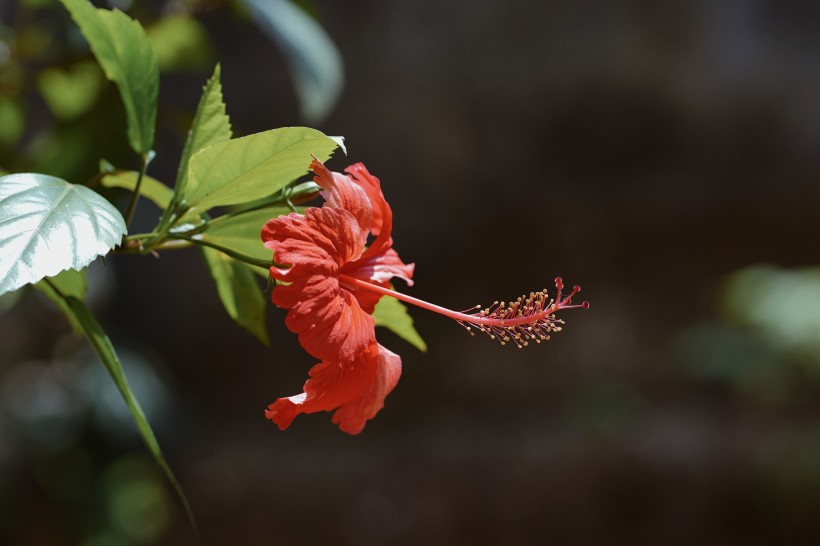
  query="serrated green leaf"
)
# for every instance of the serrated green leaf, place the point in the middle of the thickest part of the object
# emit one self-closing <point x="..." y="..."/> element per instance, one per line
<point x="211" y="126"/>
<point x="48" y="225"/>
<point x="68" y="283"/>
<point x="105" y="350"/>
<point x="242" y="233"/>
<point x="314" y="62"/>
<point x="253" y="167"/>
<point x="150" y="188"/>
<point x="121" y="47"/>
<point x="239" y="291"/>
<point x="393" y="315"/>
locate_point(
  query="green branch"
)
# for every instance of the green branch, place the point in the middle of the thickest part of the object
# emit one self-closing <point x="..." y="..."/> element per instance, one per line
<point x="232" y="253"/>
<point x="132" y="205"/>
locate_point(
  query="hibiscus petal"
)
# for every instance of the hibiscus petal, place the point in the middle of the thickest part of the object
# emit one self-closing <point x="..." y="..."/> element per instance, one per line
<point x="340" y="331"/>
<point x="322" y="240"/>
<point x="356" y="390"/>
<point x="378" y="270"/>
<point x="329" y="321"/>
<point x="372" y="187"/>
<point x="340" y="192"/>
<point x="379" y="263"/>
<point x="382" y="223"/>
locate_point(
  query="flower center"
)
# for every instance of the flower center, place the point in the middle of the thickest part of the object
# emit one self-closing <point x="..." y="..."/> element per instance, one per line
<point x="528" y="318"/>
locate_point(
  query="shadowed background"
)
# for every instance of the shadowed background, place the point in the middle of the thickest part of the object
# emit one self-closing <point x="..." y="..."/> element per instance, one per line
<point x="656" y="154"/>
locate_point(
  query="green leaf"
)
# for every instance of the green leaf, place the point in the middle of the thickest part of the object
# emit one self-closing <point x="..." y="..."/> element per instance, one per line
<point x="315" y="63"/>
<point x="242" y="233"/>
<point x="151" y="188"/>
<point x="127" y="58"/>
<point x="392" y="314"/>
<point x="211" y="126"/>
<point x="105" y="350"/>
<point x="69" y="283"/>
<point x="48" y="225"/>
<point x="239" y="291"/>
<point x="254" y="166"/>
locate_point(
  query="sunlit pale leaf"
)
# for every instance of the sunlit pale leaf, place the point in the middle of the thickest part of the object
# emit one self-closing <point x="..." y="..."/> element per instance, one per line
<point x="239" y="291"/>
<point x="392" y="314"/>
<point x="254" y="166"/>
<point x="48" y="225"/>
<point x="105" y="350"/>
<point x="340" y="140"/>
<point x="127" y="58"/>
<point x="150" y="188"/>
<point x="314" y="61"/>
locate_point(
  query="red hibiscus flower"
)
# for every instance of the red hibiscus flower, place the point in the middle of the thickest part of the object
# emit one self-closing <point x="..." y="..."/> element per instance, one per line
<point x="333" y="282"/>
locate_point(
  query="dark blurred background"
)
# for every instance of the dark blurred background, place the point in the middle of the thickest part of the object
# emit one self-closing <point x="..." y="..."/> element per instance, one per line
<point x="663" y="155"/>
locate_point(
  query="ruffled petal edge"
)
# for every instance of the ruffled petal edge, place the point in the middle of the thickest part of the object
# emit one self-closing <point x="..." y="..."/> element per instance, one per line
<point x="355" y="390"/>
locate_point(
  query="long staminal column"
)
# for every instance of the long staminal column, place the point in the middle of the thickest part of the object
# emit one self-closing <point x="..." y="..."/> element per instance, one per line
<point x="528" y="318"/>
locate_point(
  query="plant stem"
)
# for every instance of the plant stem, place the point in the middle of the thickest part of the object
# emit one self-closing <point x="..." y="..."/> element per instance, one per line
<point x="132" y="205"/>
<point x="232" y="253"/>
<point x="54" y="287"/>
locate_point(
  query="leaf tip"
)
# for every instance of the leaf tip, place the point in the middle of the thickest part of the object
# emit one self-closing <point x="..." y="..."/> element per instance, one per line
<point x="340" y="141"/>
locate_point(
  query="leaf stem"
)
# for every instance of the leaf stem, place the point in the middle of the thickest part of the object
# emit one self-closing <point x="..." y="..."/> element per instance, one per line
<point x="232" y="253"/>
<point x="132" y="205"/>
<point x="288" y="196"/>
<point x="54" y="287"/>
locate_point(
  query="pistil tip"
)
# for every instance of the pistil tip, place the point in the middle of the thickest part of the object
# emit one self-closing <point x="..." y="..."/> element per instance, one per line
<point x="528" y="318"/>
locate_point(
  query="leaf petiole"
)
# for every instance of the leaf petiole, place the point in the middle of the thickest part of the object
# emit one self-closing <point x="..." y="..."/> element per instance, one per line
<point x="232" y="253"/>
<point x="132" y="205"/>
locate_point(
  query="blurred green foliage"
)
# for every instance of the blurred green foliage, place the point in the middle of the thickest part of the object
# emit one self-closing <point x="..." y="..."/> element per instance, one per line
<point x="58" y="114"/>
<point x="138" y="507"/>
<point x="783" y="306"/>
<point x="44" y="61"/>
<point x="765" y="343"/>
<point x="181" y="45"/>
<point x="71" y="93"/>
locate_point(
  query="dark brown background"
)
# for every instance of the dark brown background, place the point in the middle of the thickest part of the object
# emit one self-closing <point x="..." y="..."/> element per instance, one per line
<point x="644" y="150"/>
